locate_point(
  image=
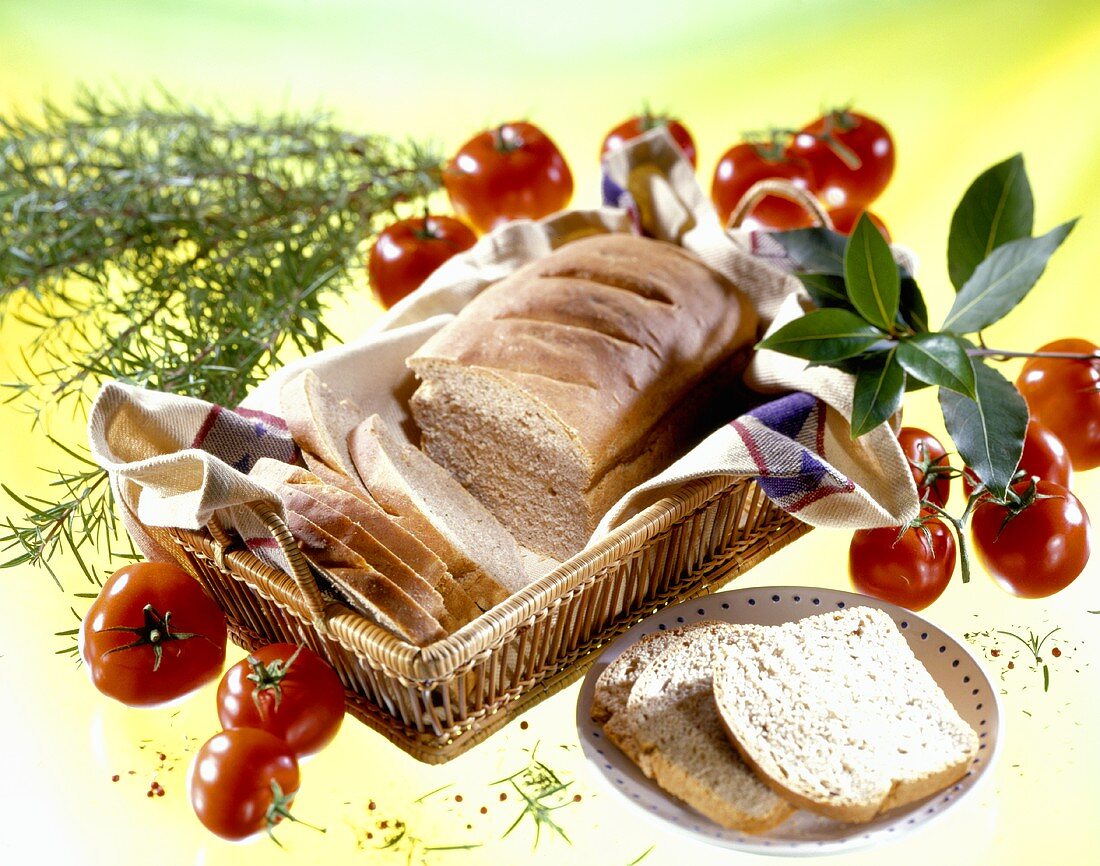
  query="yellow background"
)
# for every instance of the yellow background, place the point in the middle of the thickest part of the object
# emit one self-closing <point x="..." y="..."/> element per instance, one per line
<point x="961" y="84"/>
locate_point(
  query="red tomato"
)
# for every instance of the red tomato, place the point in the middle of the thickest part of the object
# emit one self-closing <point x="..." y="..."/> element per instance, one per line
<point x="286" y="690"/>
<point x="744" y="165"/>
<point x="640" y="123"/>
<point x="851" y="155"/>
<point x="243" y="782"/>
<point x="510" y="172"/>
<point x="912" y="572"/>
<point x="152" y="635"/>
<point x="845" y="219"/>
<point x="1044" y="457"/>
<point x="928" y="463"/>
<point x="409" y="250"/>
<point x="1038" y="549"/>
<point x="1065" y="396"/>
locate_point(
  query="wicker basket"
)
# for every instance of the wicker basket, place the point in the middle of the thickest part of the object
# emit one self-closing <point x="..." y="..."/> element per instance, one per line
<point x="435" y="702"/>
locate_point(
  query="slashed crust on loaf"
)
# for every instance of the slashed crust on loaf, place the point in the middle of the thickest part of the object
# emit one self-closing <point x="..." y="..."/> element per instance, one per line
<point x="837" y="714"/>
<point x="671" y="729"/>
<point x="555" y="390"/>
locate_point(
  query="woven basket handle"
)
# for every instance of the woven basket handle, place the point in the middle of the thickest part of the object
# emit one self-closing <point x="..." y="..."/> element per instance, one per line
<point x="783" y="189"/>
<point x="299" y="568"/>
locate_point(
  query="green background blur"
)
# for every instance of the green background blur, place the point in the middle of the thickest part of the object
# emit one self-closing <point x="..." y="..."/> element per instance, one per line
<point x="961" y="84"/>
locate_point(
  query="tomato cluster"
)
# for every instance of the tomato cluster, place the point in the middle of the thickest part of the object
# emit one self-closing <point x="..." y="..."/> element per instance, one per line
<point x="516" y="171"/>
<point x="1033" y="542"/>
<point x="844" y="159"/>
<point x="153" y="636"/>
<point x="277" y="705"/>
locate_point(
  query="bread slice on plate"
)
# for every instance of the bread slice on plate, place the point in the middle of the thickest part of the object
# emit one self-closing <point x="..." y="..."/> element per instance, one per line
<point x="837" y="715"/>
<point x="673" y="732"/>
<point x="427" y="502"/>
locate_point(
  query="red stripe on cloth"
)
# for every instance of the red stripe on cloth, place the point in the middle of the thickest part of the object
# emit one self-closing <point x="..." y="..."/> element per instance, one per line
<point x="207" y="425"/>
<point x="754" y="452"/>
<point x="819" y="493"/>
<point x="261" y="542"/>
<point x="272" y="420"/>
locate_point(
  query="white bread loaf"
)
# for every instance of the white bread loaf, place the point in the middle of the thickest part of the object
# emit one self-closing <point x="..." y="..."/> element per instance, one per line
<point x="578" y="376"/>
<point x="671" y="729"/>
<point x="837" y="715"/>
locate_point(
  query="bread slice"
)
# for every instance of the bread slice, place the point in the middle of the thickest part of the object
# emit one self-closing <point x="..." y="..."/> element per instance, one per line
<point x="836" y="714"/>
<point x="427" y="502"/>
<point x="318" y="420"/>
<point x="673" y="729"/>
<point x="365" y="589"/>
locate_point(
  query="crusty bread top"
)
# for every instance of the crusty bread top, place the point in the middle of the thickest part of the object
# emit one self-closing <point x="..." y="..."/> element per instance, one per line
<point x="835" y="712"/>
<point x="608" y="332"/>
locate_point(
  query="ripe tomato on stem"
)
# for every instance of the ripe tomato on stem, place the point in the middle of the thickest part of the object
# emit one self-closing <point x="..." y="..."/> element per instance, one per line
<point x="928" y="463"/>
<point x="644" y="122"/>
<point x="152" y="635"/>
<point x="243" y="782"/>
<point x="1064" y="395"/>
<point x="512" y="171"/>
<point x="406" y="252"/>
<point x="1037" y="543"/>
<point x="747" y="163"/>
<point x="1044" y="457"/>
<point x="286" y="690"/>
<point x="912" y="570"/>
<point x="851" y="155"/>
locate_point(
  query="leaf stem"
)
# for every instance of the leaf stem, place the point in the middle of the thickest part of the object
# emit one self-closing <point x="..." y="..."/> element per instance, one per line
<point x="1005" y="354"/>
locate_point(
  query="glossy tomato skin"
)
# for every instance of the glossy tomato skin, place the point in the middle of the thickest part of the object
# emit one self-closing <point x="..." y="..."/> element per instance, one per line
<point x="835" y="182"/>
<point x="1044" y="457"/>
<point x="1040" y="550"/>
<point x="513" y="171"/>
<point x="845" y="219"/>
<point x="920" y="447"/>
<point x="912" y="572"/>
<point x="406" y="252"/>
<point x="745" y="164"/>
<point x="306" y="709"/>
<point x="1064" y="395"/>
<point x="128" y="675"/>
<point x="640" y="123"/>
<point x="230" y="783"/>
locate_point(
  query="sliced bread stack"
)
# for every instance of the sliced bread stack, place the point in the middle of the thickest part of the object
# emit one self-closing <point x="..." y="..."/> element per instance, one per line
<point x="833" y="714"/>
<point x="399" y="539"/>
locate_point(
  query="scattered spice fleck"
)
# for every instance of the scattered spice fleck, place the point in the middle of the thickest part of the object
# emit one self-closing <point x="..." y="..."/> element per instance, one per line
<point x="149" y="793"/>
<point x="523" y="726"/>
<point x="160" y="792"/>
<point x="1011" y="665"/>
<point x="469" y="826"/>
<point x="576" y="798"/>
<point x="370" y="835"/>
<point x="995" y="653"/>
<point x="458" y="798"/>
<point x="484" y="810"/>
<point x="162" y="756"/>
<point x="503" y="795"/>
<point x="372" y="805"/>
<point x="1056" y="652"/>
<point x="114" y="778"/>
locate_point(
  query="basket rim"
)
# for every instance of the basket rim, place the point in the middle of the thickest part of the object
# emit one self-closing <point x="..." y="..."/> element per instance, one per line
<point x="441" y="659"/>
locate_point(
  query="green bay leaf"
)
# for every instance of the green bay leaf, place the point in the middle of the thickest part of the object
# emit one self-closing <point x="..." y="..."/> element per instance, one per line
<point x="988" y="431"/>
<point x="823" y="335"/>
<point x="1002" y="280"/>
<point x="880" y="385"/>
<point x="996" y="208"/>
<point x="938" y="359"/>
<point x="871" y="274"/>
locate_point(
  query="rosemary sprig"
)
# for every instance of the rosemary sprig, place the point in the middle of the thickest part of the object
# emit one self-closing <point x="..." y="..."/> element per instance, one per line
<point x="1034" y="643"/>
<point x="161" y="244"/>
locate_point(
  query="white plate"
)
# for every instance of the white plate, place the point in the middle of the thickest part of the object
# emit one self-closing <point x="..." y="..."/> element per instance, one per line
<point x="949" y="662"/>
